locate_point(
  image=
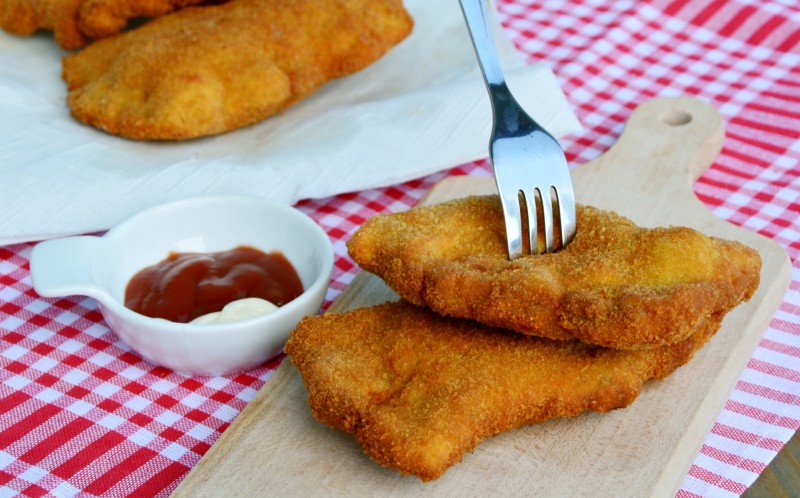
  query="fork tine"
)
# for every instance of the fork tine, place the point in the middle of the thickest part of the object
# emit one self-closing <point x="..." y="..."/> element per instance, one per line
<point x="529" y="197"/>
<point x="547" y="215"/>
<point x="513" y="221"/>
<point x="566" y="215"/>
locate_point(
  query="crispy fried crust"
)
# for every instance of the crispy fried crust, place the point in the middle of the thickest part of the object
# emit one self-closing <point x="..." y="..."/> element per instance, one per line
<point x="615" y="285"/>
<point x="75" y="22"/>
<point x="418" y="390"/>
<point x="102" y="18"/>
<point x="206" y="70"/>
<point x="24" y="17"/>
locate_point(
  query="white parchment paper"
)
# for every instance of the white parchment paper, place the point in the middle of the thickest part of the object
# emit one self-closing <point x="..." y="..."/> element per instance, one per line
<point x="420" y="109"/>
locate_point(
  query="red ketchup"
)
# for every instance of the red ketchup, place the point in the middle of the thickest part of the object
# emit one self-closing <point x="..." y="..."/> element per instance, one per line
<point x="185" y="286"/>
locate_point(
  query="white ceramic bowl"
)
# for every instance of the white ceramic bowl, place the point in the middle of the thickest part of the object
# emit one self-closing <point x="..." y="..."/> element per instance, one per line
<point x="100" y="267"/>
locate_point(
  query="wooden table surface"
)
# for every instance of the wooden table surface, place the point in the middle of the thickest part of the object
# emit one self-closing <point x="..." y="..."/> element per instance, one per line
<point x="782" y="477"/>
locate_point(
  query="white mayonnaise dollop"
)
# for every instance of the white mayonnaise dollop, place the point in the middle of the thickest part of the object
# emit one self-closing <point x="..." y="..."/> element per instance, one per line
<point x="241" y="309"/>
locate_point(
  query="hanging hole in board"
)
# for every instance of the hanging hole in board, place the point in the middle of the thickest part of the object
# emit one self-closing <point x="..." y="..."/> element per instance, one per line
<point x="676" y="118"/>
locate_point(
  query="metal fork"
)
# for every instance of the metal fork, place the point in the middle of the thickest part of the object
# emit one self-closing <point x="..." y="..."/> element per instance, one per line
<point x="529" y="165"/>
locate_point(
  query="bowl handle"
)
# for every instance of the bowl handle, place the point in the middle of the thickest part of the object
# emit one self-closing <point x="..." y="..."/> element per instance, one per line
<point x="65" y="267"/>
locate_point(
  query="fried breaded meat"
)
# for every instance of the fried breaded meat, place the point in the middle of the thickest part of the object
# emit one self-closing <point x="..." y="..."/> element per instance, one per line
<point x="76" y="22"/>
<point x="418" y="390"/>
<point x="24" y="17"/>
<point x="206" y="70"/>
<point x="102" y="18"/>
<point x="614" y="285"/>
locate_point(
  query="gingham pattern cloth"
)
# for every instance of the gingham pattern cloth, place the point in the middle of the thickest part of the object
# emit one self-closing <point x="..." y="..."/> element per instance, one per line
<point x="80" y="414"/>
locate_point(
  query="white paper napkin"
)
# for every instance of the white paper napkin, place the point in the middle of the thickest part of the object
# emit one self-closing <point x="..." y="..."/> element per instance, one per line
<point x="420" y="109"/>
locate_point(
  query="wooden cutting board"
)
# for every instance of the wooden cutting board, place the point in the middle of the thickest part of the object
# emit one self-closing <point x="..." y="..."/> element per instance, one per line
<point x="276" y="448"/>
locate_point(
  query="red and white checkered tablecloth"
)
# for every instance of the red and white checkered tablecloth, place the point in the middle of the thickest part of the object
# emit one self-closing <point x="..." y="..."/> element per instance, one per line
<point x="82" y="415"/>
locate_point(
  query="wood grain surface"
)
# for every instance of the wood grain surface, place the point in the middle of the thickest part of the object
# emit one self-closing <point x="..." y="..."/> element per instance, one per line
<point x="781" y="478"/>
<point x="275" y="446"/>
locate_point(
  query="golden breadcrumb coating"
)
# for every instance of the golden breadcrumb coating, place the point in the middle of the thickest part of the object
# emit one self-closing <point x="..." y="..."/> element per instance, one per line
<point x="207" y="70"/>
<point x="615" y="284"/>
<point x="25" y="17"/>
<point x="102" y="18"/>
<point x="418" y="390"/>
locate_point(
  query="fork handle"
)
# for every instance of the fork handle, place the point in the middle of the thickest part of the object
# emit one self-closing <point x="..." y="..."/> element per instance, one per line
<point x="480" y="31"/>
<point x="509" y="116"/>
